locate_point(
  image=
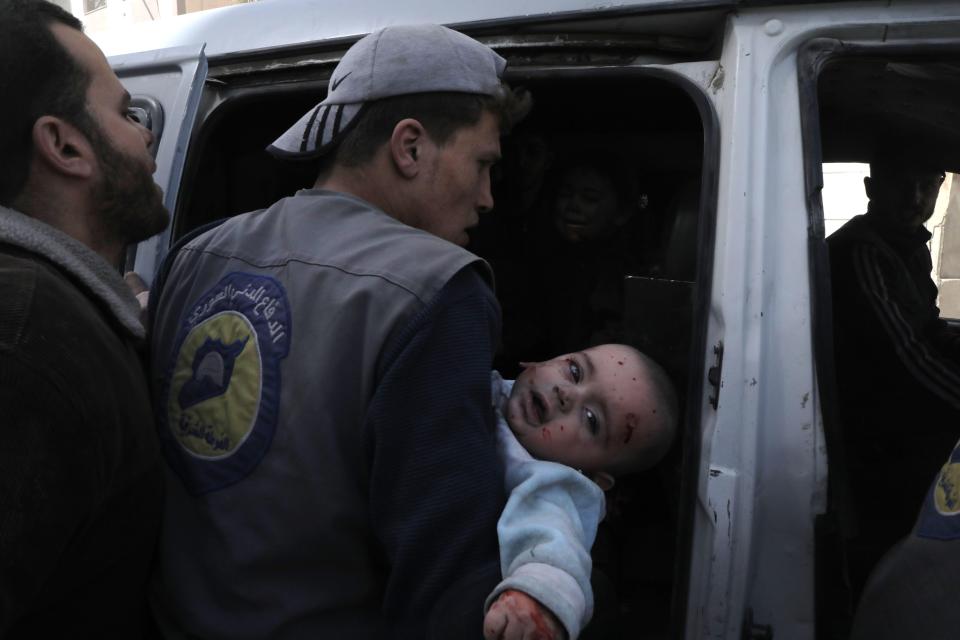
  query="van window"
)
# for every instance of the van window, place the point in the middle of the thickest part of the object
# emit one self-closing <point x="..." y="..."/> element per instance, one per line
<point x="599" y="233"/>
<point x="945" y="247"/>
<point x="844" y="197"/>
<point x="843" y="194"/>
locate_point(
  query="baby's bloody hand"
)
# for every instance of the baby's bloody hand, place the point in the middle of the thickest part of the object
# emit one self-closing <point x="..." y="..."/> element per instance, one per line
<point x="516" y="616"/>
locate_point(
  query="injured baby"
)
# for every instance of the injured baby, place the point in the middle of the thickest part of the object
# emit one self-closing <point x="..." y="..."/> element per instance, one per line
<point x="566" y="428"/>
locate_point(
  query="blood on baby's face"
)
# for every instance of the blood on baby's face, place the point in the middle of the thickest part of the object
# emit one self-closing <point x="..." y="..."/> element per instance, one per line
<point x="587" y="410"/>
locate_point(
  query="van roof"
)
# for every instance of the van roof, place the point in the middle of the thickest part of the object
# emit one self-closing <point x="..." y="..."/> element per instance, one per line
<point x="250" y="27"/>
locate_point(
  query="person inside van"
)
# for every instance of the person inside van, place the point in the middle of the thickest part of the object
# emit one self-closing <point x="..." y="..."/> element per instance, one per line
<point x="81" y="479"/>
<point x="582" y="243"/>
<point x="565" y="429"/>
<point x="897" y="361"/>
<point x="592" y="202"/>
<point x="323" y="369"/>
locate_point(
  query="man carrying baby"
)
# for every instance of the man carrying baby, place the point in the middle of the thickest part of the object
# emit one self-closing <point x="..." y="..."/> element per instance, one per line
<point x="323" y="369"/>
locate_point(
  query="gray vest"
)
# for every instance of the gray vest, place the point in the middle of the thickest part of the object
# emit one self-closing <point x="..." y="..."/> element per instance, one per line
<point x="267" y="345"/>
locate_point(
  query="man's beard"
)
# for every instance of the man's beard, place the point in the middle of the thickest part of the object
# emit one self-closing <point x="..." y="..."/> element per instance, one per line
<point x="129" y="203"/>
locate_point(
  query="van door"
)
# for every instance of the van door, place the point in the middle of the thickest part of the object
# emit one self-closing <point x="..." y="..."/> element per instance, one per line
<point x="876" y="86"/>
<point x="165" y="87"/>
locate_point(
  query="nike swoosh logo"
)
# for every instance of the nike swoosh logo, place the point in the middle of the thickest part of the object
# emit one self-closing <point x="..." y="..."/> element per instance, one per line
<point x="336" y="83"/>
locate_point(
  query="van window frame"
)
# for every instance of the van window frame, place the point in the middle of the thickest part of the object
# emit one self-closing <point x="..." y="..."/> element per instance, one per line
<point x="691" y="431"/>
<point x="834" y="524"/>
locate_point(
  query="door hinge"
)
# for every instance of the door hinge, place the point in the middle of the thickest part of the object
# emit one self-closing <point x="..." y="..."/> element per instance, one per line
<point x="714" y="374"/>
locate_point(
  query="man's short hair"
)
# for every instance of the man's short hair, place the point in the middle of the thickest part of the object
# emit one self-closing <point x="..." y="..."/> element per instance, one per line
<point x="442" y="114"/>
<point x="41" y="78"/>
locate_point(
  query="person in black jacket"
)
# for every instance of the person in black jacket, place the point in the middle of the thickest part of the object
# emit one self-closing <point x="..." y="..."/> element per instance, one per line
<point x="897" y="361"/>
<point x="80" y="475"/>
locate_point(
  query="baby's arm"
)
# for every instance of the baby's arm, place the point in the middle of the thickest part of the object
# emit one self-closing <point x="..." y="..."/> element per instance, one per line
<point x="546" y="531"/>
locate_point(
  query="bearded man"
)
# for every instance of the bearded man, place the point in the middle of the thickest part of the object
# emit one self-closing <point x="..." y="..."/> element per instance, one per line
<point x="80" y="476"/>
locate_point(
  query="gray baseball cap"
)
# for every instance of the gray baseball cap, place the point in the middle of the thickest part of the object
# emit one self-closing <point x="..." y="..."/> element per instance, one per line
<point x="393" y="61"/>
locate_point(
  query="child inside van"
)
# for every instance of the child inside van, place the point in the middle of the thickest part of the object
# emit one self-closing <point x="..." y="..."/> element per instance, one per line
<point x="593" y="201"/>
<point x="587" y="235"/>
<point x="565" y="429"/>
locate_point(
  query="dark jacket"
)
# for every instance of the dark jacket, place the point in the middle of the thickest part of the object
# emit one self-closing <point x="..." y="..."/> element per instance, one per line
<point x="80" y="475"/>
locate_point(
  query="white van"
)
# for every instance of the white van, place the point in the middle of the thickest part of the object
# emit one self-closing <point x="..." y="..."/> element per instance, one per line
<point x="722" y="113"/>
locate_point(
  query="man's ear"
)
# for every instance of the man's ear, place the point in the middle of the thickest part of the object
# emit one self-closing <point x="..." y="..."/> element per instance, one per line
<point x="62" y="147"/>
<point x="603" y="480"/>
<point x="868" y="187"/>
<point x="407" y="146"/>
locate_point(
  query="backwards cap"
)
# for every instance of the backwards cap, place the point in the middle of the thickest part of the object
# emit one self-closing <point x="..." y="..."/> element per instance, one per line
<point x="393" y="61"/>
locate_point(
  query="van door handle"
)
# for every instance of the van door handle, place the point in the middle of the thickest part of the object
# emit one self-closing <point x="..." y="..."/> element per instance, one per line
<point x="148" y="111"/>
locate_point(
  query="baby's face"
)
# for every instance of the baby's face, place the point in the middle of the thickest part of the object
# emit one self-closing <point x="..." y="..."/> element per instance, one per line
<point x="587" y="410"/>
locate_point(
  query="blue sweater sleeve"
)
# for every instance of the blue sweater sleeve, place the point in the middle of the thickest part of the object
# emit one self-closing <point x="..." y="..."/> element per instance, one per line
<point x="546" y="531"/>
<point x="436" y="486"/>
